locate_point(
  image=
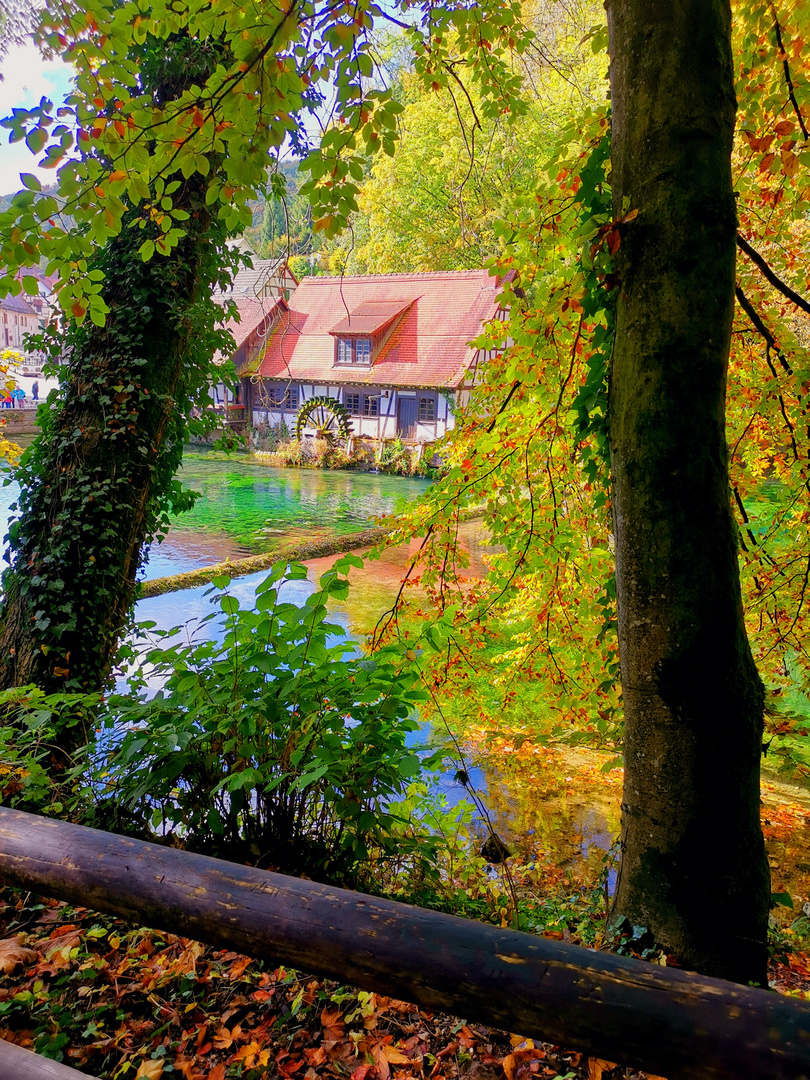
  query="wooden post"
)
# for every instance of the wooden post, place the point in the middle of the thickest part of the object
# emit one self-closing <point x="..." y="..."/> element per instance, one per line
<point x="19" y="1064"/>
<point x="664" y="1021"/>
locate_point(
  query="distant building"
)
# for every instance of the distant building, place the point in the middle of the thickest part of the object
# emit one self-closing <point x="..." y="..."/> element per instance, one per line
<point x="389" y="354"/>
<point x="17" y="319"/>
<point x="43" y="302"/>
<point x="265" y="278"/>
<point x="26" y="314"/>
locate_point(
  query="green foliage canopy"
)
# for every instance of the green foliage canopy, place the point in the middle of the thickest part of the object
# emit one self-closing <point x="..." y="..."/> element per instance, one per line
<point x="115" y="143"/>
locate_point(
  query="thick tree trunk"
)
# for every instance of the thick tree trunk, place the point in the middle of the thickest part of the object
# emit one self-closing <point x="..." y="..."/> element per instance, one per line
<point x="693" y="866"/>
<point x="86" y="500"/>
<point x="97" y="484"/>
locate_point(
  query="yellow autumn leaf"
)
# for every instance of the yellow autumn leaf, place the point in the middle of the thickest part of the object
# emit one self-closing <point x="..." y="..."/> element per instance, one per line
<point x="149" y="1070"/>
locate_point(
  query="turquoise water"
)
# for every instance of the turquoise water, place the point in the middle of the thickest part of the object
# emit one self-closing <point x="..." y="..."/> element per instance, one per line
<point x="248" y="509"/>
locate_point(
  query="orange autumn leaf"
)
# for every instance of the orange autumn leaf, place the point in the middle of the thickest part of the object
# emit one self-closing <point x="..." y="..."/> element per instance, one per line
<point x="13" y="953"/>
<point x="596" y="1066"/>
<point x="396" y="1057"/>
<point x="790" y="163"/>
<point x="237" y="968"/>
<point x="224" y="1039"/>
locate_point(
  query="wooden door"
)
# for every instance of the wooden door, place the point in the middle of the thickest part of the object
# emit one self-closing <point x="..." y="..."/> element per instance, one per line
<point x="406" y="418"/>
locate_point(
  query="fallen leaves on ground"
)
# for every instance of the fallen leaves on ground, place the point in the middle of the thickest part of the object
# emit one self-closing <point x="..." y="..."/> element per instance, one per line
<point x="134" y="1004"/>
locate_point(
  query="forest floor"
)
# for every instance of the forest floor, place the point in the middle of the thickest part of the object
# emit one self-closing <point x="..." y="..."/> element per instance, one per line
<point x="118" y="1001"/>
<point x="122" y="1002"/>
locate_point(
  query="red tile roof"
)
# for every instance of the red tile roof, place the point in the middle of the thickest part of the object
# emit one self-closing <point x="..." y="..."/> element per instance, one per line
<point x="369" y="317"/>
<point x="429" y="344"/>
<point x="251" y="313"/>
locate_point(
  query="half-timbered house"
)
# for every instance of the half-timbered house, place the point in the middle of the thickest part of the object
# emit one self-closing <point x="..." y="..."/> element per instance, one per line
<point x="392" y="352"/>
<point x="259" y="292"/>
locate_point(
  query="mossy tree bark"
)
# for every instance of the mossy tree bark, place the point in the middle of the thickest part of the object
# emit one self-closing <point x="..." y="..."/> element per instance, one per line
<point x="693" y="866"/>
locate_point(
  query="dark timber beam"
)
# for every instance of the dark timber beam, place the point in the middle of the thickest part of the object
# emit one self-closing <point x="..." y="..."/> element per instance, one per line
<point x="661" y="1020"/>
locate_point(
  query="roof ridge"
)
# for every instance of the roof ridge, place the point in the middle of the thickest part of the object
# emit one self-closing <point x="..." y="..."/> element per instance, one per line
<point x="396" y="274"/>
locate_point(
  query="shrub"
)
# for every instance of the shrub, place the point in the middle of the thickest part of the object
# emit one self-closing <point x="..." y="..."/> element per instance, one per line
<point x="268" y="437"/>
<point x="277" y="744"/>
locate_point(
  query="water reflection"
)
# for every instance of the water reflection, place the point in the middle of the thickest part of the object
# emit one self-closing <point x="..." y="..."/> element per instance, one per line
<point x="556" y="811"/>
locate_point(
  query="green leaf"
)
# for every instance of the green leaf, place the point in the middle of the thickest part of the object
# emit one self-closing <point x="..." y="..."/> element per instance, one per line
<point x="36" y="139"/>
<point x="30" y="181"/>
<point x="147" y="250"/>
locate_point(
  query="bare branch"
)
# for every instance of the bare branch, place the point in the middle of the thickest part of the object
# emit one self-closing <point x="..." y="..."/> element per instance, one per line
<point x="770" y="276"/>
<point x="791" y="91"/>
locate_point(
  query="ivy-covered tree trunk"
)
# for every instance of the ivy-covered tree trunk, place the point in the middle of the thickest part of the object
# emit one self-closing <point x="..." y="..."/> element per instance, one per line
<point x="693" y="865"/>
<point x="98" y="483"/>
<point x="98" y="480"/>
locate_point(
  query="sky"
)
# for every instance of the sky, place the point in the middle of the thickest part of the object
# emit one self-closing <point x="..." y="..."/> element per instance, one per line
<point x="26" y="78"/>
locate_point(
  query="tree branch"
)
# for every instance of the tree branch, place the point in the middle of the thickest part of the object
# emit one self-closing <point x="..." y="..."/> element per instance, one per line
<point x="788" y="79"/>
<point x="760" y="327"/>
<point x="770" y="276"/>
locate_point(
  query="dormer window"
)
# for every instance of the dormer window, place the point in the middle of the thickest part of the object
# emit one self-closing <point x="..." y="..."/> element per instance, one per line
<point x="363" y="331"/>
<point x="362" y="351"/>
<point x="353" y="350"/>
<point x="345" y="351"/>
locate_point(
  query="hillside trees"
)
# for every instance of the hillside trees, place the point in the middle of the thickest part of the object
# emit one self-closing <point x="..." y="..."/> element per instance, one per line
<point x="158" y="151"/>
<point x="286" y="227"/>
<point x="437" y="203"/>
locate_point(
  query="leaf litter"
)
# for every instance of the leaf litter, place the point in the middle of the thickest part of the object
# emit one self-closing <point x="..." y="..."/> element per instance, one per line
<point x="127" y="1003"/>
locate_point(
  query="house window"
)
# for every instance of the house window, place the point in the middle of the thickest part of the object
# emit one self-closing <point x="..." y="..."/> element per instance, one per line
<point x="363" y="351"/>
<point x="354" y="351"/>
<point x="352" y="403"/>
<point x="345" y="352"/>
<point x="427" y="409"/>
<point x="371" y="406"/>
<point x="285" y="397"/>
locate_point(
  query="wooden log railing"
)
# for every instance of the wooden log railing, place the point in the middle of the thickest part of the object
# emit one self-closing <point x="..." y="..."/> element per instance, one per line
<point x="678" y="1025"/>
<point x="19" y="1064"/>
